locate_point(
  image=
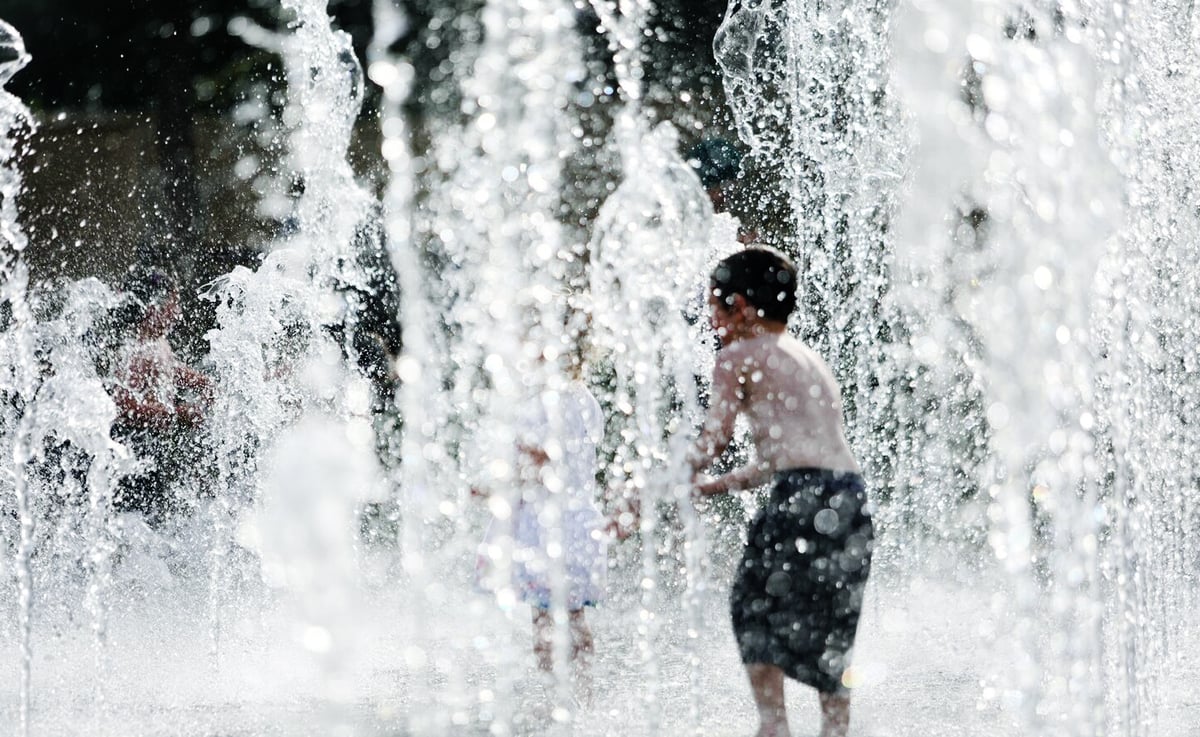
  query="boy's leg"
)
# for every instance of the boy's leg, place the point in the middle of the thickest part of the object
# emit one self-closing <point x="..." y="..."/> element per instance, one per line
<point x="543" y="639"/>
<point x="767" y="683"/>
<point x="835" y="715"/>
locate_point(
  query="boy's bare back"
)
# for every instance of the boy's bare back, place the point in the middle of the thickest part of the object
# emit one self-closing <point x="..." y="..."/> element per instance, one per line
<point x="791" y="401"/>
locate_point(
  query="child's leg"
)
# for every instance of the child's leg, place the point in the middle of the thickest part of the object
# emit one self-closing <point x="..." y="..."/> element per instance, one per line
<point x="582" y="644"/>
<point x="543" y="639"/>
<point x="835" y="715"/>
<point x="582" y="650"/>
<point x="767" y="683"/>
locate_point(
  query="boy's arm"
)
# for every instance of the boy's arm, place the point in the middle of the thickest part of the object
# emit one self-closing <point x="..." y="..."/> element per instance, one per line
<point x="717" y="431"/>
<point x="135" y="402"/>
<point x="729" y="397"/>
<point x="747" y="477"/>
<point x="187" y="377"/>
<point x="141" y="411"/>
<point x="534" y="455"/>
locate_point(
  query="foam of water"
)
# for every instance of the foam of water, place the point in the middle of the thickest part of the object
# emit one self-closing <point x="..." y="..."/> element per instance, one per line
<point x="999" y="257"/>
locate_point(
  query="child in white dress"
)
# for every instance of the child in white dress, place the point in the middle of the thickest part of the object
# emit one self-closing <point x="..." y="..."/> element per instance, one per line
<point x="558" y="547"/>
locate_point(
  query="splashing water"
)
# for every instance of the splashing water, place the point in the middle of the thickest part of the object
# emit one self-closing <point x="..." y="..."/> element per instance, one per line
<point x="992" y="205"/>
<point x="1041" y="145"/>
<point x="1004" y="261"/>
<point x="297" y="484"/>
<point x="20" y="380"/>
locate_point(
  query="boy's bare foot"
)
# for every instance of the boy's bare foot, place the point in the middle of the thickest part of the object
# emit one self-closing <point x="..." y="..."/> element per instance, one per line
<point x="773" y="730"/>
<point x="766" y="681"/>
<point x="835" y="715"/>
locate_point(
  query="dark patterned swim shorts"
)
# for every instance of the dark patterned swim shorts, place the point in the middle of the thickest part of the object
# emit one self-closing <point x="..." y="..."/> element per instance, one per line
<point x="798" y="591"/>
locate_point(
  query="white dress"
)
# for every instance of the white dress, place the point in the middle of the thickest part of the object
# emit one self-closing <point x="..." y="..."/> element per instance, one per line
<point x="576" y="567"/>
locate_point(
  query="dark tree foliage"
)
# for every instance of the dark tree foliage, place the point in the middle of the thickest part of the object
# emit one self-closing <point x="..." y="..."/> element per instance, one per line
<point x="135" y="54"/>
<point x="172" y="60"/>
<point x="171" y="63"/>
<point x="176" y="60"/>
<point x="681" y="48"/>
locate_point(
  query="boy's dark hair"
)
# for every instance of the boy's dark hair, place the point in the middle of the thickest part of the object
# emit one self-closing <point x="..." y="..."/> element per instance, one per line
<point x="142" y="287"/>
<point x="716" y="161"/>
<point x="763" y="276"/>
<point x="148" y="284"/>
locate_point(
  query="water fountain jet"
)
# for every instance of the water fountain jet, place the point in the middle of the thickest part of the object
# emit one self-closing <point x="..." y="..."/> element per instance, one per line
<point x="994" y="209"/>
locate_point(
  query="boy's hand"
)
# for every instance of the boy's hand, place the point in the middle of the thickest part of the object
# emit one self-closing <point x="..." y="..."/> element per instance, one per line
<point x="704" y="485"/>
<point x="533" y="455"/>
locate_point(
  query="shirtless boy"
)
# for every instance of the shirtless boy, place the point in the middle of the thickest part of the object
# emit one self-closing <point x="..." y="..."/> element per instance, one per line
<point x="798" y="590"/>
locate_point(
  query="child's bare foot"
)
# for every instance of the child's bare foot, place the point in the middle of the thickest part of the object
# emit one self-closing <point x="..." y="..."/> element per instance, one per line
<point x="835" y="715"/>
<point x="584" y="692"/>
<point x="583" y="649"/>
<point x="774" y="730"/>
<point x="767" y="683"/>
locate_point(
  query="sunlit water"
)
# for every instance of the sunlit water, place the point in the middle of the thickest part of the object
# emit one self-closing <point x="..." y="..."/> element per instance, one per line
<point x="994" y="212"/>
<point x="925" y="653"/>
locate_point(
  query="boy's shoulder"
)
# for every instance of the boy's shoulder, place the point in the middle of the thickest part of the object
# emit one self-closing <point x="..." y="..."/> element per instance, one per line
<point x="778" y="352"/>
<point x="765" y="345"/>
